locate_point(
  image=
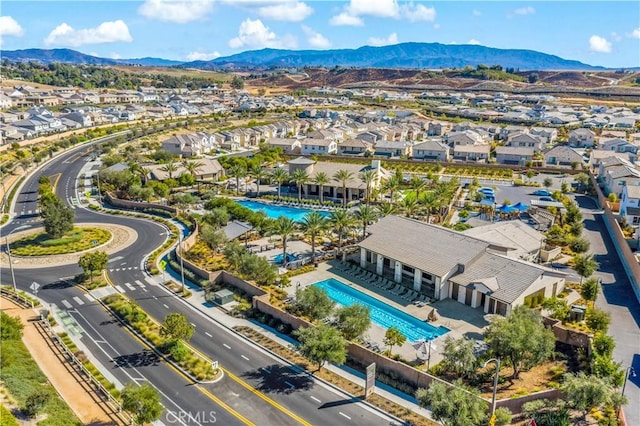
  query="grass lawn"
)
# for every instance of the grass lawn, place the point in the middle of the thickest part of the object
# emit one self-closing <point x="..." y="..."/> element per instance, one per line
<point x="22" y="377"/>
<point x="41" y="244"/>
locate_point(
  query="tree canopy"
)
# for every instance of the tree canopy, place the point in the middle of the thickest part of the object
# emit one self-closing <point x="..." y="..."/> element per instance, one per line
<point x="313" y="302"/>
<point x="353" y="320"/>
<point x="93" y="261"/>
<point x="521" y="339"/>
<point x="143" y="402"/>
<point x="321" y="344"/>
<point x="459" y="356"/>
<point x="176" y="326"/>
<point x="453" y="405"/>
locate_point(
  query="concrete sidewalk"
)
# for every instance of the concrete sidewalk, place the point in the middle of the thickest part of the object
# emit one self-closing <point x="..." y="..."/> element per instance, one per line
<point x="197" y="300"/>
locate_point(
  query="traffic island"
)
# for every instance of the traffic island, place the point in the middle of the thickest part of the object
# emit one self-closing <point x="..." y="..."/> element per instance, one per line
<point x="78" y="240"/>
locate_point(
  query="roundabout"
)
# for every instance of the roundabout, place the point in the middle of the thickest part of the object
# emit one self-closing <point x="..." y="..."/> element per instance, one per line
<point x="27" y="250"/>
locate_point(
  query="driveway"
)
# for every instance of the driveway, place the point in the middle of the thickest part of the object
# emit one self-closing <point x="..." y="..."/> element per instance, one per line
<point x="617" y="298"/>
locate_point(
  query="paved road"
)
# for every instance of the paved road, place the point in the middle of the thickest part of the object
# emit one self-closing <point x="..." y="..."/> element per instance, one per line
<point x="618" y="298"/>
<point x="256" y="386"/>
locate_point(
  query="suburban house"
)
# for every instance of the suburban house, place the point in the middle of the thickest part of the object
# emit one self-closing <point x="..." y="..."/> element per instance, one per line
<point x="526" y="140"/>
<point x="210" y="169"/>
<point x="563" y="156"/>
<point x="478" y="153"/>
<point x="442" y="263"/>
<point x="431" y="150"/>
<point x="582" y="138"/>
<point x="355" y="187"/>
<point x="547" y="133"/>
<point x="318" y="146"/>
<point x="466" y="137"/>
<point x="617" y="145"/>
<point x="597" y="156"/>
<point x="392" y="149"/>
<point x="190" y="145"/>
<point x="514" y="155"/>
<point x="354" y="147"/>
<point x="630" y="204"/>
<point x="288" y="145"/>
<point x="618" y="173"/>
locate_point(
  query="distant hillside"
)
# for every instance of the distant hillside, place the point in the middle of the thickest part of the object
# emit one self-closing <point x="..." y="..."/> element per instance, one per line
<point x="405" y="55"/>
<point x="69" y="56"/>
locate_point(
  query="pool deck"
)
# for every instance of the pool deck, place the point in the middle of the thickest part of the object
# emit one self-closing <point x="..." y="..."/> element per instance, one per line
<point x="460" y="319"/>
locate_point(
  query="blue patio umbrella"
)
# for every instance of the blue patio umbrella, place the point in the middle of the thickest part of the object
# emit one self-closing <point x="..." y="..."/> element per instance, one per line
<point x="521" y="207"/>
<point x="506" y="208"/>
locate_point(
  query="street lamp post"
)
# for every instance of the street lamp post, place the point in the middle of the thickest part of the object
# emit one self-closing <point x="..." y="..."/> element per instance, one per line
<point x="6" y="241"/>
<point x="495" y="388"/>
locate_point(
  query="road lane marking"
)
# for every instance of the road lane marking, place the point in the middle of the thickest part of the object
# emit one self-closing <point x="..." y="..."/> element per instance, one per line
<point x="265" y="369"/>
<point x="132" y="288"/>
<point x="78" y="300"/>
<point x="244" y="357"/>
<point x="315" y="399"/>
<point x="165" y="305"/>
<point x="291" y="385"/>
<point x="66" y="304"/>
<point x="265" y="397"/>
<point x="88" y="297"/>
<point x="226" y="346"/>
<point x="208" y="334"/>
<point x="120" y="289"/>
<point x="155" y="297"/>
<point x="194" y="326"/>
<point x="224" y="405"/>
<point x="344" y="415"/>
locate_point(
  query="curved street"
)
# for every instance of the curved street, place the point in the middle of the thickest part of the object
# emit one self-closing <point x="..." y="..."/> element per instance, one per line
<point x="257" y="387"/>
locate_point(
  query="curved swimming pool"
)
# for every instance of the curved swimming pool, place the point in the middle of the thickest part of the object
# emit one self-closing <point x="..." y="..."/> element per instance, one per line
<point x="382" y="314"/>
<point x="274" y="212"/>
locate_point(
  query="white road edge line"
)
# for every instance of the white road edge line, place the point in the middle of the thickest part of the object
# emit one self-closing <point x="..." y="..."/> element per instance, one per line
<point x="315" y="399"/>
<point x="165" y="305"/>
<point x="344" y="415"/>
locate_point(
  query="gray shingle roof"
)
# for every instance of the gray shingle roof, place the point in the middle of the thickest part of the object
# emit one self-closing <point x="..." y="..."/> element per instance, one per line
<point x="420" y="245"/>
<point x="507" y="278"/>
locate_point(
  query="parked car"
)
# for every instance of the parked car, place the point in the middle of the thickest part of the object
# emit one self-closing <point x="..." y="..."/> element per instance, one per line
<point x="546" y="199"/>
<point x="543" y="192"/>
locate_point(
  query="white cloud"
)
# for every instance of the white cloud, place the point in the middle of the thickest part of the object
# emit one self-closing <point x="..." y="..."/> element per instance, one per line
<point x="473" y="41"/>
<point x="107" y="32"/>
<point x="292" y="11"/>
<point x="417" y="13"/>
<point x="635" y="33"/>
<point x="202" y="56"/>
<point x="344" y="19"/>
<point x="392" y="39"/>
<point x="476" y="13"/>
<point x="178" y="11"/>
<point x="379" y="8"/>
<point x="599" y="44"/>
<point x="254" y="34"/>
<point x="10" y="27"/>
<point x="615" y="36"/>
<point x="315" y="39"/>
<point x="114" y="55"/>
<point x="524" y="11"/>
<point x="436" y="26"/>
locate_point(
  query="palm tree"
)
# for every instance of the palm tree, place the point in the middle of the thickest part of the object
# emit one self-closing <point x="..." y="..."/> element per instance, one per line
<point x="341" y="221"/>
<point x="366" y="214"/>
<point x="385" y="209"/>
<point x="343" y="176"/>
<point x="321" y="179"/>
<point x="258" y="173"/>
<point x="314" y="224"/>
<point x="431" y="201"/>
<point x="192" y="167"/>
<point x="237" y="171"/>
<point x="410" y="206"/>
<point x="368" y="177"/>
<point x="170" y="168"/>
<point x="284" y="227"/>
<point x="418" y="185"/>
<point x="279" y="176"/>
<point x="136" y="169"/>
<point x="392" y="185"/>
<point x="300" y="177"/>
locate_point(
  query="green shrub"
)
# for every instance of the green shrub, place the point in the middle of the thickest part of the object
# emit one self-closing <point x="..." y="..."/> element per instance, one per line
<point x="7" y="418"/>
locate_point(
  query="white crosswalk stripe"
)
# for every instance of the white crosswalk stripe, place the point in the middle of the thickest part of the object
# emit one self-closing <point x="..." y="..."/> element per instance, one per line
<point x="119" y="289"/>
<point x="89" y="297"/>
<point x="139" y="283"/>
<point x="78" y="300"/>
<point x="132" y="288"/>
<point x="66" y="304"/>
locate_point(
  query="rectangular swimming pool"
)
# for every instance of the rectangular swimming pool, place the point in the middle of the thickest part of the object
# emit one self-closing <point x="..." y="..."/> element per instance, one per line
<point x="275" y="212"/>
<point x="382" y="314"/>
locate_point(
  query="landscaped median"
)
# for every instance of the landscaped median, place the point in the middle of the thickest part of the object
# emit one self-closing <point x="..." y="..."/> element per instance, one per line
<point x="41" y="244"/>
<point x="192" y="363"/>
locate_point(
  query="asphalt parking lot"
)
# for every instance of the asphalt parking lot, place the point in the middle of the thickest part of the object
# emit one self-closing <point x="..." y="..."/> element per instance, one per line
<point x="524" y="194"/>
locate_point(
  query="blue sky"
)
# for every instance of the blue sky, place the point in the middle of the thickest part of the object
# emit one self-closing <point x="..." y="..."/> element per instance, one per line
<point x="595" y="32"/>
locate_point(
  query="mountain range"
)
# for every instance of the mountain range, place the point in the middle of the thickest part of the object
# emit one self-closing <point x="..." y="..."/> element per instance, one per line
<point x="404" y="55"/>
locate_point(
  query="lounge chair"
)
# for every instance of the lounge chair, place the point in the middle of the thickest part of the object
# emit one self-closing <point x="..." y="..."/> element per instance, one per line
<point x="409" y="295"/>
<point x="398" y="289"/>
<point x="388" y="285"/>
